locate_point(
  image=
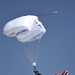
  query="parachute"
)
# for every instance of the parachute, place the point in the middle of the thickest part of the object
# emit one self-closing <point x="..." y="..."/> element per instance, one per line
<point x="28" y="30"/>
<point x="55" y="12"/>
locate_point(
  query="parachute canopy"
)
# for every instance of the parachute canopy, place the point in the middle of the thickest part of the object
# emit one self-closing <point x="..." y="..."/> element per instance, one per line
<point x="25" y="29"/>
<point x="55" y="12"/>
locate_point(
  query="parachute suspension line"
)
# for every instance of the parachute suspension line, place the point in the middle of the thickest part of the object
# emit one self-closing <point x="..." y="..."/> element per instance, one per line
<point x="37" y="43"/>
<point x="34" y="48"/>
<point x="27" y="54"/>
<point x="37" y="50"/>
<point x="31" y="50"/>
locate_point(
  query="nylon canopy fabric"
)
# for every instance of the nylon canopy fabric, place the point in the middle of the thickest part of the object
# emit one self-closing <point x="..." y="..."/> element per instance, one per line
<point x="25" y="29"/>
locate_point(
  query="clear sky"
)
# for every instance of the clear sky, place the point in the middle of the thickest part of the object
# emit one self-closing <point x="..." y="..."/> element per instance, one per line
<point x="57" y="49"/>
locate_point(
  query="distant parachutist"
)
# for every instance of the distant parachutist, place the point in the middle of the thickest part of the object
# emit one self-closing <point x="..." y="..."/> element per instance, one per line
<point x="55" y="12"/>
<point x="35" y="71"/>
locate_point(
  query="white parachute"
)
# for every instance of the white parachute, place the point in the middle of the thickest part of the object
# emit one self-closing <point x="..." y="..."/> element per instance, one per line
<point x="27" y="29"/>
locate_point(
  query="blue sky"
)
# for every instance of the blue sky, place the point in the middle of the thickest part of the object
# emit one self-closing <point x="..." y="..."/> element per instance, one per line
<point x="57" y="49"/>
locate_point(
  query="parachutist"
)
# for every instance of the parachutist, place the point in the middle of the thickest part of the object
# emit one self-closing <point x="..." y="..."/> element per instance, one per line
<point x="36" y="72"/>
<point x="55" y="12"/>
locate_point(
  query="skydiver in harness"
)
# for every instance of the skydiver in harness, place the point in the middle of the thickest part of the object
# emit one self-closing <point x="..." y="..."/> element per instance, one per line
<point x="35" y="71"/>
